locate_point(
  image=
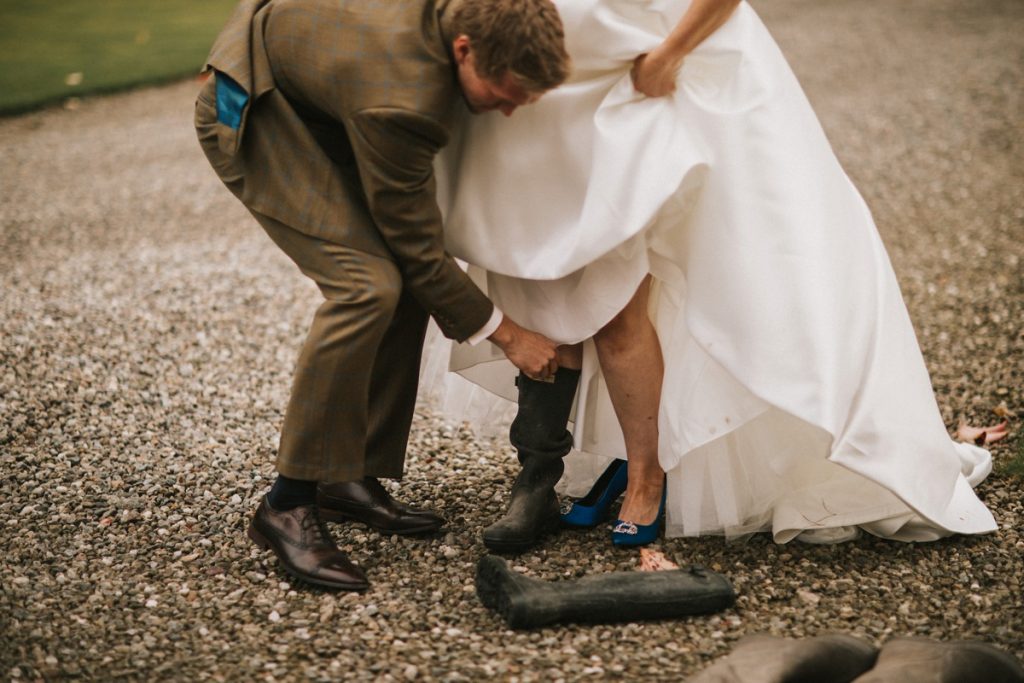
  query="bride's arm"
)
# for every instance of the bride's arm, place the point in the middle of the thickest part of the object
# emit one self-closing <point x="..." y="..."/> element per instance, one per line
<point x="654" y="73"/>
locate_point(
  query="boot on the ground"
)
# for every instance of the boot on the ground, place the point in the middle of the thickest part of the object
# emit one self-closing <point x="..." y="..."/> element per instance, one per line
<point x="603" y="598"/>
<point x="540" y="438"/>
<point x="918" y="660"/>
<point x="761" y="658"/>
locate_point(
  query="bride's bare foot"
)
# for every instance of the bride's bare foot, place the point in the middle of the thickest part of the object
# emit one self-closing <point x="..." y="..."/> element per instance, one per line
<point x="643" y="499"/>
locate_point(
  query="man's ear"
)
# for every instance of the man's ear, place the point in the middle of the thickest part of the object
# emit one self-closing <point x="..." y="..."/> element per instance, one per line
<point x="461" y="48"/>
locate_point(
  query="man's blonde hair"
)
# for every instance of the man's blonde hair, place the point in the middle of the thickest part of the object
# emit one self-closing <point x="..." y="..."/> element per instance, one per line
<point x="520" y="37"/>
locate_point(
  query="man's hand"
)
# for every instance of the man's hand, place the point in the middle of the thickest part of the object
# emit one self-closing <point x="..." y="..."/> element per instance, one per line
<point x="532" y="353"/>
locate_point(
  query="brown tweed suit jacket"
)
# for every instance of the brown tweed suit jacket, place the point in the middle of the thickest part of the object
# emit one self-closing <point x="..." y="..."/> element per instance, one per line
<point x="348" y="103"/>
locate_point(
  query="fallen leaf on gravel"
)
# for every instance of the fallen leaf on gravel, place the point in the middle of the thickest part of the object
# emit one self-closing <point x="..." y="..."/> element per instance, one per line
<point x="655" y="561"/>
<point x="982" y="436"/>
<point x="1002" y="411"/>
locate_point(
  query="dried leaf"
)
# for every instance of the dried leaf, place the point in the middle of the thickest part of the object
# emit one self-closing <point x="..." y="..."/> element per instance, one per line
<point x="982" y="436"/>
<point x="655" y="561"/>
<point x="1003" y="411"/>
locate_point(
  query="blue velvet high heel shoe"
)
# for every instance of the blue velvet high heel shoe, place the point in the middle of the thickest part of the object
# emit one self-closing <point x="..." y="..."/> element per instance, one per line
<point x="592" y="509"/>
<point x="628" y="534"/>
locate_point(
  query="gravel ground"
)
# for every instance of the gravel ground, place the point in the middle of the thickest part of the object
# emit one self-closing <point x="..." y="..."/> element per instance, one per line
<point x="148" y="331"/>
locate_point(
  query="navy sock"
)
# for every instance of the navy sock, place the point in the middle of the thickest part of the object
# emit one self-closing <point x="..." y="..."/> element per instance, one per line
<point x="287" y="494"/>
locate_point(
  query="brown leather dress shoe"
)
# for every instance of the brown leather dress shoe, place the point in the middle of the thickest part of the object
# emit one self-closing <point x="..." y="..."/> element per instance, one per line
<point x="305" y="548"/>
<point x="368" y="502"/>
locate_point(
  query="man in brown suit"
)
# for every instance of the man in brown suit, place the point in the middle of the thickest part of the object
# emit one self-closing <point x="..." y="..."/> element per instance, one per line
<point x="324" y="118"/>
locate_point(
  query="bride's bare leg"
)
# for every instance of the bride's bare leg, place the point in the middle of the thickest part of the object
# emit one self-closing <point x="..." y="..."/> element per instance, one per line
<point x="631" y="361"/>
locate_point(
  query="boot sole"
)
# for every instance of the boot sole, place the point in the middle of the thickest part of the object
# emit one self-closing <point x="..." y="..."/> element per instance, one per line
<point x="493" y="578"/>
<point x="487" y="582"/>
<point x="263" y="544"/>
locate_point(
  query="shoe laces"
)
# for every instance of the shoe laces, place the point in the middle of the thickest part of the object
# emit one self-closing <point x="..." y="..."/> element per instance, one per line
<point x="313" y="522"/>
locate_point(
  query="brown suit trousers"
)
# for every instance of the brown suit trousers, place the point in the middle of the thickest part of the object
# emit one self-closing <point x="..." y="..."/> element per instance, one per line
<point x="363" y="350"/>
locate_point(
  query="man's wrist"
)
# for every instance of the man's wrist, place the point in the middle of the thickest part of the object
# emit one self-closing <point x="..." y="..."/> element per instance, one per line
<point x="489" y="328"/>
<point x="502" y="335"/>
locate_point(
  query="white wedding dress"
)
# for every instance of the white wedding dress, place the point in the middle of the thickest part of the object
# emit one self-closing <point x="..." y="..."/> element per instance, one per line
<point x="795" y="396"/>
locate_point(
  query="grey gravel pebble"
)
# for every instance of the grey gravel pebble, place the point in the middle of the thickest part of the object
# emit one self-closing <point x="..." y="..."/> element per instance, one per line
<point x="148" y="332"/>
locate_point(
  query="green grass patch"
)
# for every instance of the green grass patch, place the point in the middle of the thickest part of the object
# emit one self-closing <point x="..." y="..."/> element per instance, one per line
<point x="1015" y="465"/>
<point x="55" y="49"/>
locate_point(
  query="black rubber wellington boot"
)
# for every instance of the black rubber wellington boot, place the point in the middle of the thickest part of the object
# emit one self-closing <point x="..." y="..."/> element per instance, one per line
<point x="539" y="436"/>
<point x="602" y="598"/>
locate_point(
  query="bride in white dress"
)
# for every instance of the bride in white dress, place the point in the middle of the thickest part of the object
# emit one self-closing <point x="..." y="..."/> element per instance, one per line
<point x="793" y="395"/>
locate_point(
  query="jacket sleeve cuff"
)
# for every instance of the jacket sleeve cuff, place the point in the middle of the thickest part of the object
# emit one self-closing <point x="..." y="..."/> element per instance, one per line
<point x="488" y="329"/>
